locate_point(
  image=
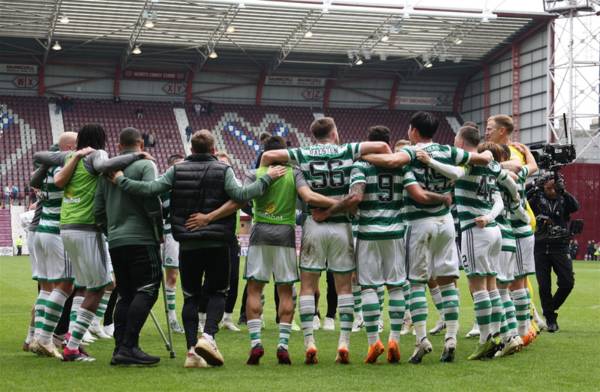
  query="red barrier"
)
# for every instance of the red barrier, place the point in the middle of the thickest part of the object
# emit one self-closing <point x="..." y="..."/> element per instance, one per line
<point x="583" y="182"/>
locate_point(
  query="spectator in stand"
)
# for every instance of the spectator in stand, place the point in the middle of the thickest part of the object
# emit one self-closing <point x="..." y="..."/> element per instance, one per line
<point x="152" y="139"/>
<point x="188" y="133"/>
<point x="15" y="193"/>
<point x="197" y="108"/>
<point x="145" y="138"/>
<point x="590" y="250"/>
<point x="139" y="112"/>
<point x="573" y="248"/>
<point x="6" y="195"/>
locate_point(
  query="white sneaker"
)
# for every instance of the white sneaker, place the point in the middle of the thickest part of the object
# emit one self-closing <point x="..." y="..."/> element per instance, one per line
<point x="49" y="350"/>
<point x="474" y="332"/>
<point x="407" y="325"/>
<point x="329" y="324"/>
<point x="230" y="325"/>
<point x="439" y="327"/>
<point x="358" y="323"/>
<point x="380" y="325"/>
<point x="421" y="349"/>
<point x="201" y="322"/>
<point x="88" y="338"/>
<point x="207" y="349"/>
<point x="295" y="326"/>
<point x="109" y="330"/>
<point x="97" y="330"/>
<point x="406" y="328"/>
<point x="175" y="327"/>
<point x="511" y="346"/>
<point x="539" y="320"/>
<point x="193" y="360"/>
<point x="316" y="323"/>
<point x="34" y="346"/>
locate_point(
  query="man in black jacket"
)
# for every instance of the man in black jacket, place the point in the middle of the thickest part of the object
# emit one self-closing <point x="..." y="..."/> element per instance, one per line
<point x="553" y="206"/>
<point x="205" y="195"/>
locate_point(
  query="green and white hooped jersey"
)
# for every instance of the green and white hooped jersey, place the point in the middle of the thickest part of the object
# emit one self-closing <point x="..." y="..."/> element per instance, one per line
<point x="51" y="202"/>
<point x="474" y="193"/>
<point x="380" y="211"/>
<point x="521" y="229"/>
<point x="326" y="168"/>
<point x="429" y="179"/>
<point x="509" y="244"/>
<point x="165" y="198"/>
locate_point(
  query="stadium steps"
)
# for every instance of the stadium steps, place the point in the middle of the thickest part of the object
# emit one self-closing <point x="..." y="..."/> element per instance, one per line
<point x="5" y="228"/>
<point x="182" y="123"/>
<point x="56" y="122"/>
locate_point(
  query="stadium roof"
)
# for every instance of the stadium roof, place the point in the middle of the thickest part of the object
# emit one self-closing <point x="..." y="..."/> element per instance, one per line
<point x="270" y="35"/>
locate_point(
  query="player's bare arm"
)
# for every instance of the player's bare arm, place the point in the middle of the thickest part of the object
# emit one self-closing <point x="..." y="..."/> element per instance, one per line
<point x="374" y="148"/>
<point x="62" y="178"/>
<point x="480" y="158"/>
<point x="394" y="160"/>
<point x="529" y="159"/>
<point x="198" y="220"/>
<point x="274" y="156"/>
<point x="422" y="196"/>
<point x="315" y="199"/>
<point x="348" y="203"/>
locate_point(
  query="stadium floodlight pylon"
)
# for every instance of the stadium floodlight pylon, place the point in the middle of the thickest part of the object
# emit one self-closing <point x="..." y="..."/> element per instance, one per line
<point x="572" y="69"/>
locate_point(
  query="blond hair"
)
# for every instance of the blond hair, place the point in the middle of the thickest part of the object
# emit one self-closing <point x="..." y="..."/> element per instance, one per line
<point x="504" y="121"/>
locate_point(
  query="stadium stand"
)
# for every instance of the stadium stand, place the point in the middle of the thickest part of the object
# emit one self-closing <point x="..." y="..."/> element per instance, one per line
<point x="26" y="129"/>
<point x="236" y="127"/>
<point x="155" y="117"/>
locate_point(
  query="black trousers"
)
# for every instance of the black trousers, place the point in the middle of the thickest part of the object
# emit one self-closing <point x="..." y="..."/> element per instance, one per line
<point x="331" y="296"/>
<point x="110" y="308"/>
<point x="138" y="272"/>
<point x="234" y="280"/>
<point x="204" y="272"/>
<point x="63" y="323"/>
<point x="234" y="277"/>
<point x="562" y="265"/>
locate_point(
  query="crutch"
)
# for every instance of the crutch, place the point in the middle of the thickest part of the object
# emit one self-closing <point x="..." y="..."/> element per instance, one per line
<point x="168" y="339"/>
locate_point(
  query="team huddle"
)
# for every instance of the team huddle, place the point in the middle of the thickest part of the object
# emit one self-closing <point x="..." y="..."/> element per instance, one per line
<point x="376" y="219"/>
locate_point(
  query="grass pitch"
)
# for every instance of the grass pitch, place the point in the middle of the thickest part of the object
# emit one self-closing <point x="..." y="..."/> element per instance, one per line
<point x="565" y="361"/>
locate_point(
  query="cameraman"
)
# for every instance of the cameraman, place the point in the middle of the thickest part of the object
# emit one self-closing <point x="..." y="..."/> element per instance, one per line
<point x="552" y="206"/>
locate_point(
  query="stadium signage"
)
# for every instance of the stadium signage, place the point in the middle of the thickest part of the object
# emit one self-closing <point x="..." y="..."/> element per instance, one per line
<point x="420" y="101"/>
<point x="25" y="81"/>
<point x="23" y="69"/>
<point x="133" y="74"/>
<point x="174" y="88"/>
<point x="294" y="81"/>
